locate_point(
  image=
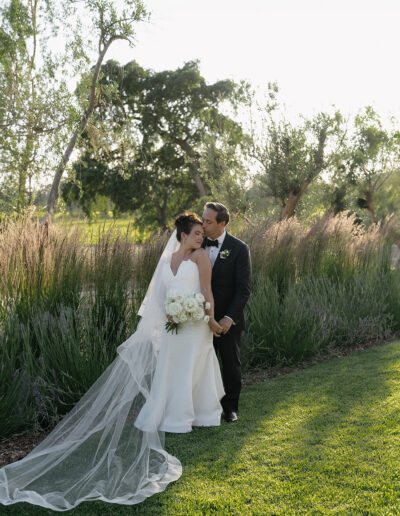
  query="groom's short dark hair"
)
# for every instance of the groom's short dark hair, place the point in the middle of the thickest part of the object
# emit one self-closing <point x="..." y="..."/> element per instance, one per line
<point x="222" y="211"/>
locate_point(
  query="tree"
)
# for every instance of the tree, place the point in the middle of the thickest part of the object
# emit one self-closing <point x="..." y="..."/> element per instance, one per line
<point x="164" y="187"/>
<point x="153" y="184"/>
<point x="292" y="157"/>
<point x="111" y="21"/>
<point x="374" y="156"/>
<point x="336" y="191"/>
<point x="387" y="198"/>
<point x="127" y="141"/>
<point x="228" y="175"/>
<point x="177" y="107"/>
<point x="37" y="110"/>
<point x="34" y="101"/>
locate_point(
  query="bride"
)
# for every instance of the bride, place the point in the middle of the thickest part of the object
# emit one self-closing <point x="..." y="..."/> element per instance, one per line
<point x="110" y="446"/>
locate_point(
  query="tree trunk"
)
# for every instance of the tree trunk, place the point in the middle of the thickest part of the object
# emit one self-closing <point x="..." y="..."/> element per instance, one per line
<point x="289" y="208"/>
<point x="54" y="192"/>
<point x="370" y="205"/>
<point x="23" y="172"/>
<point x="194" y="164"/>
<point x="29" y="189"/>
<point x="197" y="179"/>
<point x="21" y="200"/>
<point x="162" y="212"/>
<point x="29" y="144"/>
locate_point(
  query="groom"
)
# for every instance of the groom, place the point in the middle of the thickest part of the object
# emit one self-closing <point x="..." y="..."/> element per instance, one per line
<point x="230" y="283"/>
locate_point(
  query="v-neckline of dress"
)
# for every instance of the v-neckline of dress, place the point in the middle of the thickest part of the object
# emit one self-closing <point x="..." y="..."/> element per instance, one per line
<point x="177" y="270"/>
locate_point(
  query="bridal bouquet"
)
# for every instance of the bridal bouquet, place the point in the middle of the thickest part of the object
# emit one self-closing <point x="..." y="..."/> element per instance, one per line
<point x="185" y="307"/>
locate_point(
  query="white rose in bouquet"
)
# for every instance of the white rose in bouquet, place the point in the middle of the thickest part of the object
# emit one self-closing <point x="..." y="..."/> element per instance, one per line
<point x="198" y="313"/>
<point x="173" y="308"/>
<point x="207" y="306"/>
<point x="183" y="317"/>
<point x="189" y="304"/>
<point x="199" y="297"/>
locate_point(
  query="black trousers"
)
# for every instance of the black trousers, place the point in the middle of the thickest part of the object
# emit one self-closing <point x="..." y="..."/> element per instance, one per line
<point x="227" y="347"/>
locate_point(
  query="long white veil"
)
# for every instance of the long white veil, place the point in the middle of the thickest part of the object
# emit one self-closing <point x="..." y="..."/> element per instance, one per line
<point x="96" y="452"/>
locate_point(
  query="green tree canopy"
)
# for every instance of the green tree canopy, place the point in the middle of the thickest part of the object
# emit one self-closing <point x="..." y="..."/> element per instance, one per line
<point x="292" y="157"/>
<point x="177" y="107"/>
<point x="161" y="140"/>
<point x="373" y="156"/>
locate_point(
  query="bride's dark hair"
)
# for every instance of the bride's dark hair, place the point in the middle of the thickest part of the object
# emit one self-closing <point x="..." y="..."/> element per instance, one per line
<point x="184" y="223"/>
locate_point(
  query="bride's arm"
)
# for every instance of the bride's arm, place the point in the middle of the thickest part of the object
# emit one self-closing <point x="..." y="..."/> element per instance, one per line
<point x="204" y="265"/>
<point x="205" y="270"/>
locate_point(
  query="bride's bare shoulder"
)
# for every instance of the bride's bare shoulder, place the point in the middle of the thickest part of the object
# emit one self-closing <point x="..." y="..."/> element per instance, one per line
<point x="199" y="252"/>
<point x="200" y="256"/>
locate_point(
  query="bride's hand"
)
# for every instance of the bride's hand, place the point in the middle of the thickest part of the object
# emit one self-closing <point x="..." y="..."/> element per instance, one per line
<point x="215" y="327"/>
<point x="170" y="319"/>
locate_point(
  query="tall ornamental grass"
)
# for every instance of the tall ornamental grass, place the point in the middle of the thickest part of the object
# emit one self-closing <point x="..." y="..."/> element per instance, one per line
<point x="316" y="288"/>
<point x="65" y="306"/>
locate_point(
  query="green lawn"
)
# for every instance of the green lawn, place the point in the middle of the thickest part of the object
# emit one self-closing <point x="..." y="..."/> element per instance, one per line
<point x="96" y="227"/>
<point x="324" y="440"/>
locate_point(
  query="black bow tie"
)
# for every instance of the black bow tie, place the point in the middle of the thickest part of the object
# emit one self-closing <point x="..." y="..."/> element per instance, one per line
<point x="210" y="243"/>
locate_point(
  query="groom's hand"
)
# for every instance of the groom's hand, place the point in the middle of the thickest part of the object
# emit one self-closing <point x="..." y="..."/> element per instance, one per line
<point x="215" y="327"/>
<point x="225" y="324"/>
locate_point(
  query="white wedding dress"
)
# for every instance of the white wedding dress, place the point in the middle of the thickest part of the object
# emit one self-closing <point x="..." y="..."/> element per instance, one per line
<point x="110" y="446"/>
<point x="187" y="384"/>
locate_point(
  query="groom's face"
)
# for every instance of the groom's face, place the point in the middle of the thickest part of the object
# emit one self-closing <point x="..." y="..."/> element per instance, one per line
<point x="212" y="229"/>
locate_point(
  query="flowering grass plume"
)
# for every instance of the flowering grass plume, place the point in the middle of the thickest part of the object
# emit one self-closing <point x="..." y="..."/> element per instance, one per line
<point x="185" y="307"/>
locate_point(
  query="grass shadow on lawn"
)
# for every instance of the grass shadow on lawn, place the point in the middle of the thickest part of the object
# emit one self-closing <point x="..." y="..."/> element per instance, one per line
<point x="314" y="440"/>
<point x="312" y="426"/>
<point x="351" y="434"/>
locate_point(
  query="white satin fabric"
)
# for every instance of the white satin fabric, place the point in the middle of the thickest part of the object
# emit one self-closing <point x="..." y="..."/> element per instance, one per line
<point x="98" y="451"/>
<point x="187" y="384"/>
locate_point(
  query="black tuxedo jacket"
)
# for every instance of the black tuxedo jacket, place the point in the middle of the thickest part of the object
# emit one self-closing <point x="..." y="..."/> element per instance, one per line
<point x="230" y="280"/>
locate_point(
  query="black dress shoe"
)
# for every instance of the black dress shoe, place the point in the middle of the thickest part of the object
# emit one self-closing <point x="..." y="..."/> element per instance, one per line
<point x="230" y="417"/>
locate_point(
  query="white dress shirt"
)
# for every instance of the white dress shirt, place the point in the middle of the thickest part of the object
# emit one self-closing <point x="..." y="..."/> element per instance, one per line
<point x="213" y="251"/>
